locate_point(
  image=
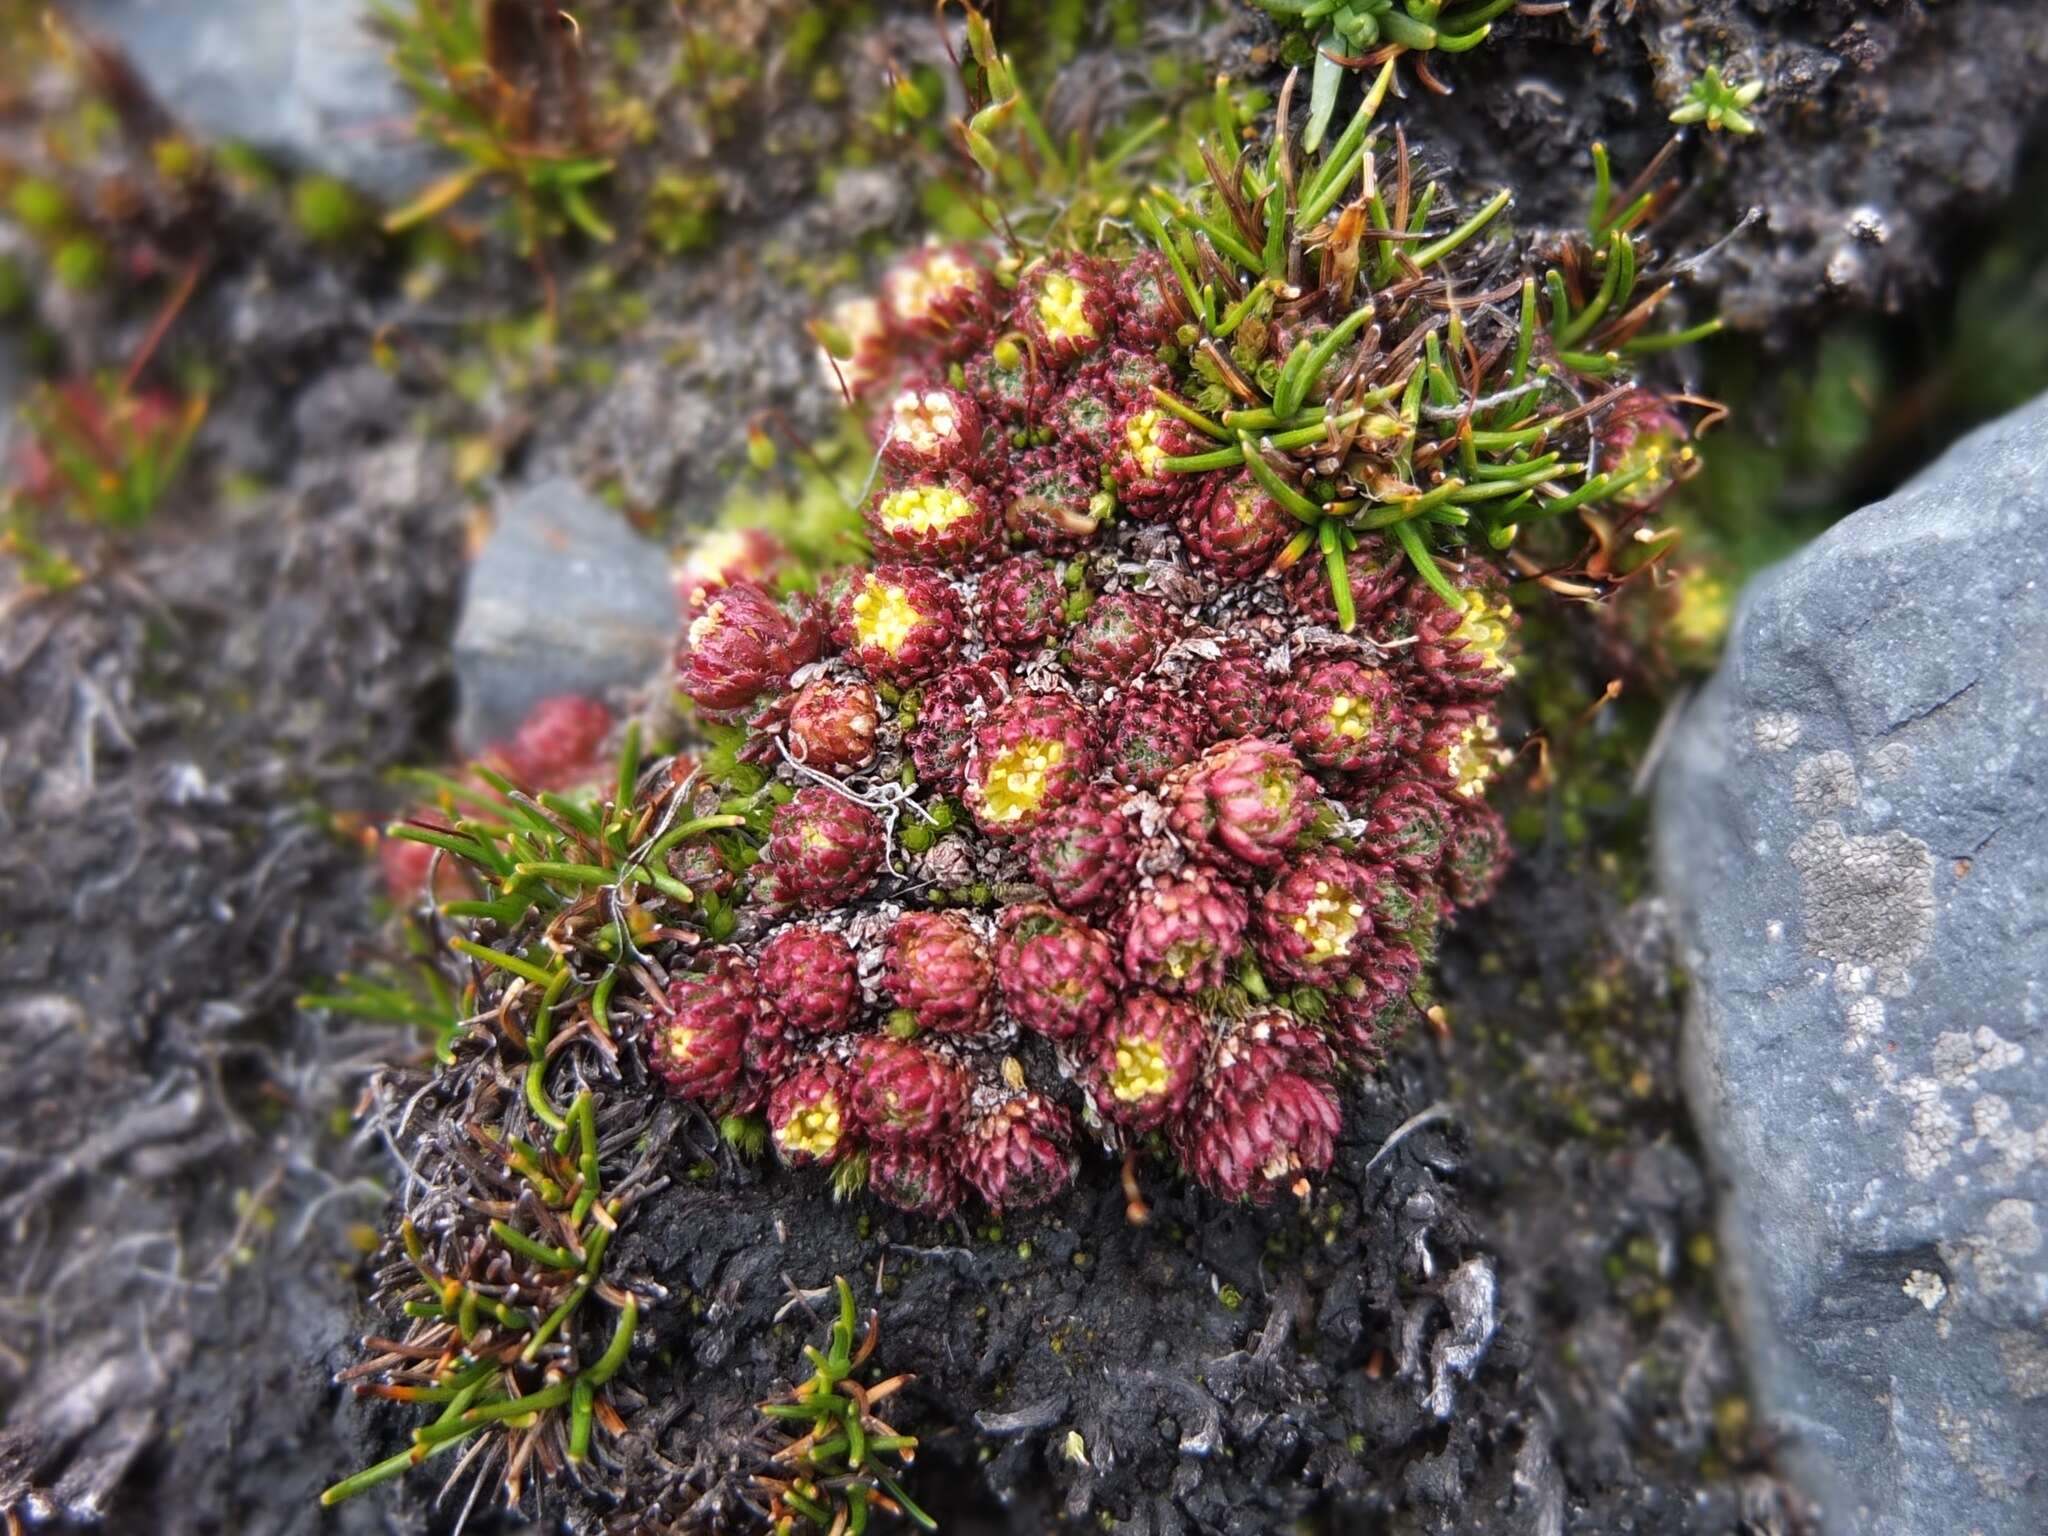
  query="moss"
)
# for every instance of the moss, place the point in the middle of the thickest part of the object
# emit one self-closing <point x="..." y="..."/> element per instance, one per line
<point x="14" y="288"/>
<point x="39" y="206"/>
<point x="247" y="170"/>
<point x="682" y="212"/>
<point x="326" y="210"/>
<point x="80" y="263"/>
<point x="176" y="158"/>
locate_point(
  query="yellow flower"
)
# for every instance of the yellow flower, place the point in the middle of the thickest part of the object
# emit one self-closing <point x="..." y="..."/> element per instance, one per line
<point x="883" y="616"/>
<point x="1329" y="925"/>
<point x="812" y="1131"/>
<point x="1014" y="784"/>
<point x="1350" y="718"/>
<point x="1472" y="759"/>
<point x="923" y="509"/>
<point x="1143" y="437"/>
<point x="1485" y="628"/>
<point x="1140" y="1072"/>
<point x="1063" y="308"/>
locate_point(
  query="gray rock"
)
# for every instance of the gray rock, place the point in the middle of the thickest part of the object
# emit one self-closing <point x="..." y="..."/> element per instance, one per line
<point x="13" y="385"/>
<point x="303" y="81"/>
<point x="1851" y="831"/>
<point x="565" y="598"/>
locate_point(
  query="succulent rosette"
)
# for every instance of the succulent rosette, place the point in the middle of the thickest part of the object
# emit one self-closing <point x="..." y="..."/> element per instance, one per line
<point x="1368" y="1008"/>
<point x="1085" y="854"/>
<point x="1375" y="573"/>
<point x="1023" y="603"/>
<point x="1410" y="825"/>
<point x="1057" y="975"/>
<point x="1150" y="308"/>
<point x="942" y="296"/>
<point x="1147" y="1059"/>
<point x="1013" y="391"/>
<point x="1235" y="691"/>
<point x="1033" y="756"/>
<point x="1478" y="856"/>
<point x="809" y="1118"/>
<point x="1236" y="528"/>
<point x="1265" y="1115"/>
<point x="1019" y="1152"/>
<point x="936" y="516"/>
<point x="1067" y="304"/>
<point x="939" y="972"/>
<point x="920" y="1180"/>
<point x="1069" y="819"/>
<point x="1145" y="437"/>
<point x="1180" y="932"/>
<point x="1152" y="731"/>
<point x="898" y="623"/>
<point x="823" y="849"/>
<point x="831" y="725"/>
<point x="1119" y="638"/>
<point x="1247" y="803"/>
<point x="1644" y="440"/>
<point x="742" y="645"/>
<point x="811" y="977"/>
<point x="1365" y="1021"/>
<point x="1051" y="503"/>
<point x="931" y="429"/>
<point x="559" y="743"/>
<point x="1315" y="921"/>
<point x="904" y="1095"/>
<point x="722" y="557"/>
<point x="767" y="1054"/>
<point x="856" y="352"/>
<point x="1341" y="715"/>
<point x="1462" y="651"/>
<point x="1082" y="418"/>
<point x="952" y="708"/>
<point x="696" y="1039"/>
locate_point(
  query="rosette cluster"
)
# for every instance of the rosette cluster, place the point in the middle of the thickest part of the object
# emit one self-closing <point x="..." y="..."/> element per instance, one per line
<point x="1089" y="828"/>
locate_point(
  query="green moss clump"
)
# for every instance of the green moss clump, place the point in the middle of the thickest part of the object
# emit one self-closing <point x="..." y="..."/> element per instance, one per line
<point x="327" y="210"/>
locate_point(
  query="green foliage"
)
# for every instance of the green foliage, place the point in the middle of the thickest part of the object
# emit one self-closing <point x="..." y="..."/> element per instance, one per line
<point x="682" y="212"/>
<point x="412" y="992"/>
<point x="1041" y="192"/>
<point x="477" y="1386"/>
<point x="1396" y="415"/>
<point x="51" y="217"/>
<point x="326" y="209"/>
<point x="1363" y="34"/>
<point x="1719" y="103"/>
<point x="457" y="59"/>
<point x="39" y="206"/>
<point x="551" y="856"/>
<point x="812" y="505"/>
<point x="99" y="452"/>
<point x="14" y="288"/>
<point x="80" y="263"/>
<point x="836" y="1475"/>
<point x="588" y="871"/>
<point x="1597" y="313"/>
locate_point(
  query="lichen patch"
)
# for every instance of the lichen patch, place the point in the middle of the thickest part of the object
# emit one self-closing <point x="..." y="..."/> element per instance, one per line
<point x="1866" y="900"/>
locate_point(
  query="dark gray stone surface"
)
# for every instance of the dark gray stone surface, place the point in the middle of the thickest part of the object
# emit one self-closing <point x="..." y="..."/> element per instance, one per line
<point x="301" y="80"/>
<point x="565" y="598"/>
<point x="1852" y="831"/>
<point x="13" y="384"/>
